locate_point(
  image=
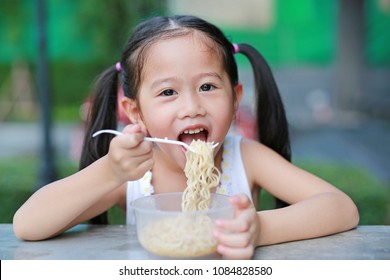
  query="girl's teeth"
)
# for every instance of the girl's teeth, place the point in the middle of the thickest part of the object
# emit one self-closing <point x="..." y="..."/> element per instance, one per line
<point x="193" y="131"/>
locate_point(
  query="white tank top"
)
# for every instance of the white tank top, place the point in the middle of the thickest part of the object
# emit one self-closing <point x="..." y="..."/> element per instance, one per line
<point x="233" y="178"/>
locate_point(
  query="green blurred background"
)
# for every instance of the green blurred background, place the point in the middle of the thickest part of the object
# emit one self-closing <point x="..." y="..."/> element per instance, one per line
<point x="84" y="37"/>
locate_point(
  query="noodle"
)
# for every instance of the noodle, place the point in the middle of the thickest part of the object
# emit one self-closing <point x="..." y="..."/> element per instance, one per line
<point x="188" y="235"/>
<point x="202" y="175"/>
<point x="184" y="236"/>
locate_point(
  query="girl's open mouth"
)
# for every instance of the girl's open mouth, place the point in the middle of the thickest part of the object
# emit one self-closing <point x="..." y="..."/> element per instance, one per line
<point x="193" y="134"/>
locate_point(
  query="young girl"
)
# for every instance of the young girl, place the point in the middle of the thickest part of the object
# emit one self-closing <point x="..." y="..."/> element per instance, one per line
<point x="180" y="81"/>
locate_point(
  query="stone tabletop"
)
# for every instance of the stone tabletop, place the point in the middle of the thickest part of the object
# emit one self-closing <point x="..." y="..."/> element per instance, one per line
<point x="85" y="242"/>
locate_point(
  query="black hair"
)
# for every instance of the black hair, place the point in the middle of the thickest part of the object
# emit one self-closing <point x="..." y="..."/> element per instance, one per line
<point x="271" y="122"/>
<point x="272" y="127"/>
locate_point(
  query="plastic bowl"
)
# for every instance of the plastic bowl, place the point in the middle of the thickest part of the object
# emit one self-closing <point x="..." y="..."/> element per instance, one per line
<point x="164" y="230"/>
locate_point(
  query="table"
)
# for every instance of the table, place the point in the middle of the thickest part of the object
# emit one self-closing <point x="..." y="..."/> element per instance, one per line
<point x="119" y="242"/>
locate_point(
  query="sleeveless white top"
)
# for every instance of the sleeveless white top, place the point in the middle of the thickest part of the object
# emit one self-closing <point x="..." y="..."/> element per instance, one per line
<point x="233" y="178"/>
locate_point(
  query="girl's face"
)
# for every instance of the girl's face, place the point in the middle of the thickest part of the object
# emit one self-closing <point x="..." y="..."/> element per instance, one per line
<point x="185" y="93"/>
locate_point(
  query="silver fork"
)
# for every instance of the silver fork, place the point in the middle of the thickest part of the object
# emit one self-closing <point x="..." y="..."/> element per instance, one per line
<point x="153" y="139"/>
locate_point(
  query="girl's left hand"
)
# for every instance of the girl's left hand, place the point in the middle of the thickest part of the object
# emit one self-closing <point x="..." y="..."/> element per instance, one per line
<point x="238" y="237"/>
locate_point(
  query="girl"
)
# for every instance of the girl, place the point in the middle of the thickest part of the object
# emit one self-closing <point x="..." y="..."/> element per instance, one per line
<point x="180" y="81"/>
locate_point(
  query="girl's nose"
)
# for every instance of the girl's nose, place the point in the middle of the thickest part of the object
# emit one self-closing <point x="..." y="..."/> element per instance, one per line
<point x="191" y="106"/>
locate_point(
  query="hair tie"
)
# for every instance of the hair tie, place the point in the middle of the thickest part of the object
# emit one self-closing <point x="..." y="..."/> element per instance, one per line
<point x="118" y="66"/>
<point x="236" y="48"/>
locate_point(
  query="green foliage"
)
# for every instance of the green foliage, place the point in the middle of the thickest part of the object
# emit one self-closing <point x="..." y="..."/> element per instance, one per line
<point x="18" y="182"/>
<point x="377" y="19"/>
<point x="18" y="179"/>
<point x="76" y="30"/>
<point x="371" y="196"/>
<point x="116" y="216"/>
<point x="16" y="185"/>
<point x="72" y="83"/>
<point x="83" y="39"/>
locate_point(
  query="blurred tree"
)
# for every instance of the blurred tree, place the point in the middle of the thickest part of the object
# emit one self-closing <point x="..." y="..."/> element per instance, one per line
<point x="109" y="23"/>
<point x="17" y="29"/>
<point x="86" y="30"/>
<point x="377" y="39"/>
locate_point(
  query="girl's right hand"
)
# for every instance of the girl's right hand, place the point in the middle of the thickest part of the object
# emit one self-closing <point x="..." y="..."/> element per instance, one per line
<point x="130" y="157"/>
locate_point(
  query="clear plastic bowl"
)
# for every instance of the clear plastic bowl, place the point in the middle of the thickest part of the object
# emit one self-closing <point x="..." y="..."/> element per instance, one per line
<point x="164" y="230"/>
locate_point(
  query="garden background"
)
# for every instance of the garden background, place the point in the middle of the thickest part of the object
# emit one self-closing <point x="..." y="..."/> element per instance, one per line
<point x="330" y="58"/>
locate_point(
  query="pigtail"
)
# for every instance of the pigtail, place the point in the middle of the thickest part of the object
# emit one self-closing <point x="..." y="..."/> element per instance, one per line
<point x="271" y="121"/>
<point x="272" y="126"/>
<point x="102" y="115"/>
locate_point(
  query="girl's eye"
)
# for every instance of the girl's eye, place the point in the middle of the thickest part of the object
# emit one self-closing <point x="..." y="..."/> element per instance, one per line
<point x="168" y="92"/>
<point x="206" y="87"/>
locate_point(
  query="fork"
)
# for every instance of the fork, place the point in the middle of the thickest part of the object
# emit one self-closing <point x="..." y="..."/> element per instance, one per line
<point x="153" y="139"/>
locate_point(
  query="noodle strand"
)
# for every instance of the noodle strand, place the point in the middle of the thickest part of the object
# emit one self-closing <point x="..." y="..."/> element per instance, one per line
<point x="188" y="235"/>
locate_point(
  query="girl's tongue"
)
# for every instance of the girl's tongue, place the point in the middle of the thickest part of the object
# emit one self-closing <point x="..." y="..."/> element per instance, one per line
<point x="187" y="138"/>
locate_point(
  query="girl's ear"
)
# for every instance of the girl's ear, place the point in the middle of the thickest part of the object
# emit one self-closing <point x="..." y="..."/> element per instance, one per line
<point x="130" y="108"/>
<point x="238" y="91"/>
